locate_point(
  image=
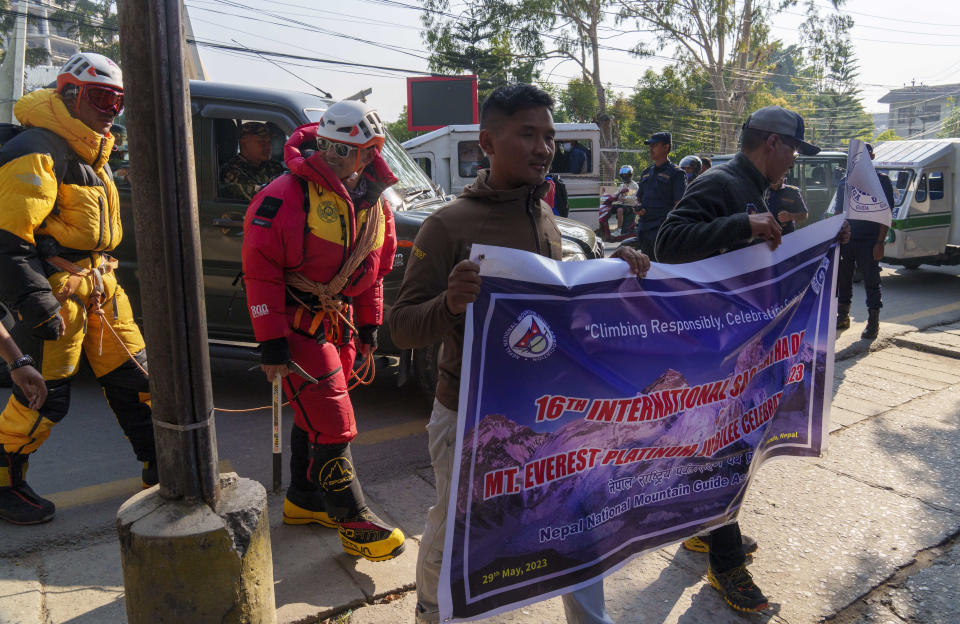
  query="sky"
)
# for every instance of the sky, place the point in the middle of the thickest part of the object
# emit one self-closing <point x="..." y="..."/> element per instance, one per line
<point x="896" y="43"/>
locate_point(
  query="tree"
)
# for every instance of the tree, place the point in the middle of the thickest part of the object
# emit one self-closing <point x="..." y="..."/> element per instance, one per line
<point x="398" y="128"/>
<point x="32" y="56"/>
<point x="91" y="22"/>
<point x="579" y="101"/>
<point x="951" y="125"/>
<point x="536" y="30"/>
<point x="891" y="135"/>
<point x="674" y="101"/>
<point x="829" y="73"/>
<point x="577" y="27"/>
<point x="728" y="41"/>
<point x="479" y="42"/>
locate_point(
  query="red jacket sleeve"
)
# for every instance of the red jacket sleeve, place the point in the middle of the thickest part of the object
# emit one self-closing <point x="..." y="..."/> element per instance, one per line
<point x="368" y="305"/>
<point x="272" y="242"/>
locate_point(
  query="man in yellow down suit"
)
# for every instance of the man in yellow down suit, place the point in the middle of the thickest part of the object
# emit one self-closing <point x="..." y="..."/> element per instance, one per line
<point x="59" y="218"/>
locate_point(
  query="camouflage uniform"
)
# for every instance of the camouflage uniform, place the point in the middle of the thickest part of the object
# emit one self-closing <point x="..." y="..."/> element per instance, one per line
<point x="240" y="178"/>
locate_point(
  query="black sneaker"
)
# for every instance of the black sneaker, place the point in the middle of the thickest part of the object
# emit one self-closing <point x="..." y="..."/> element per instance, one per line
<point x="701" y="543"/>
<point x="738" y="589"/>
<point x="21" y="505"/>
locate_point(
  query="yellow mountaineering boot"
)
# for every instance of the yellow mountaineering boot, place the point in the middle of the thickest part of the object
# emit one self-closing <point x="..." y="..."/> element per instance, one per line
<point x="365" y="535"/>
<point x="305" y="507"/>
<point x="362" y="533"/>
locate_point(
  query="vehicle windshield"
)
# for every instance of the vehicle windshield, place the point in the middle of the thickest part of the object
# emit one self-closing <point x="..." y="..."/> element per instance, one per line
<point x="412" y="181"/>
<point x="901" y="182"/>
<point x="411" y="176"/>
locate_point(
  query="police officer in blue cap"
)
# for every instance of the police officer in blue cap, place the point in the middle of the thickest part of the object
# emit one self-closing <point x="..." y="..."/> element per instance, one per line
<point x="661" y="187"/>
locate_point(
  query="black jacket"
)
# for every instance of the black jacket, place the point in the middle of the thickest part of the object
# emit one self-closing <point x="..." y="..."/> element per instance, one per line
<point x="712" y="217"/>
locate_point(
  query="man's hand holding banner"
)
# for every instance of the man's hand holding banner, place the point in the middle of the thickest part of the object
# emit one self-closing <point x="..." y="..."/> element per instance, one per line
<point x="602" y="416"/>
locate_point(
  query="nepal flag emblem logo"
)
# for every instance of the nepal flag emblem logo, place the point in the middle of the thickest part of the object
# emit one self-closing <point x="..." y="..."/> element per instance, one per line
<point x="530" y="337"/>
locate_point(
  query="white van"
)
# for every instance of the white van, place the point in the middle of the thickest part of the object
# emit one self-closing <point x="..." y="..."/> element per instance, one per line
<point x="452" y="155"/>
<point x="926" y="210"/>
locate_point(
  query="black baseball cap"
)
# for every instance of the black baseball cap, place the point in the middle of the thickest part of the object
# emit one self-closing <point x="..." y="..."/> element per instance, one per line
<point x="659" y="137"/>
<point x="779" y="120"/>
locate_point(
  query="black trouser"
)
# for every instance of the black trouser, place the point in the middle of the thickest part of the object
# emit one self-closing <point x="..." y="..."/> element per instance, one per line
<point x="646" y="240"/>
<point x="859" y="253"/>
<point x="726" y="548"/>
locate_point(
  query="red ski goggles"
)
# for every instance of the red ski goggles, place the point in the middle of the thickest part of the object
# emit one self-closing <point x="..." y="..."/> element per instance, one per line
<point x="105" y="99"/>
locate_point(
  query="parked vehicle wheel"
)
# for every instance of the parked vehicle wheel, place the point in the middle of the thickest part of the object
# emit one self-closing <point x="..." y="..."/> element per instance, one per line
<point x="425" y="369"/>
<point x="911" y="266"/>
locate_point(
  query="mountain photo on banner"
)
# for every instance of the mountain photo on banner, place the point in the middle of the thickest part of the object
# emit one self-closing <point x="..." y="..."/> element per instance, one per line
<point x="864" y="198"/>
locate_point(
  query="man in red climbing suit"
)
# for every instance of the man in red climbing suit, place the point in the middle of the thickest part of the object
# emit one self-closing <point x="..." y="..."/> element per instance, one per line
<point x="317" y="244"/>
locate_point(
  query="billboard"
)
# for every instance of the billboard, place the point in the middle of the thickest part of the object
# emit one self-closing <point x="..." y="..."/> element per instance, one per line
<point x="437" y="101"/>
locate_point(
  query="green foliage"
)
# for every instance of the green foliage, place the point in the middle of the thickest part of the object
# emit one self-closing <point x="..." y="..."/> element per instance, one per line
<point x="886" y="135"/>
<point x="951" y="125"/>
<point x="398" y="128"/>
<point x="579" y="101"/>
<point x="676" y="101"/>
<point x="827" y="89"/>
<point x="481" y="43"/>
<point x="93" y="23"/>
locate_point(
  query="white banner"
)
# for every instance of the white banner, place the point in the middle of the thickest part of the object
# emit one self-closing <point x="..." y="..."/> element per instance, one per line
<point x="864" y="196"/>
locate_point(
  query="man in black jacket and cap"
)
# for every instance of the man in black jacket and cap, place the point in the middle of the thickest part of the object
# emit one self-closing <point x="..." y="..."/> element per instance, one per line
<point x="722" y="210"/>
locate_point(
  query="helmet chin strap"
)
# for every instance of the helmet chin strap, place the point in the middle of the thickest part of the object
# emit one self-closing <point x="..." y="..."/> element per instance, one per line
<point x="356" y="170"/>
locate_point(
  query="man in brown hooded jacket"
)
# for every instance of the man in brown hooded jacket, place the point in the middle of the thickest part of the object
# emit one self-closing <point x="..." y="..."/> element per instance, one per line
<point x="503" y="207"/>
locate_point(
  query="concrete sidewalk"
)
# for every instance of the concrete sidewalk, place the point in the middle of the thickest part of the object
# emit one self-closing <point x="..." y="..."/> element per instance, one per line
<point x="868" y="533"/>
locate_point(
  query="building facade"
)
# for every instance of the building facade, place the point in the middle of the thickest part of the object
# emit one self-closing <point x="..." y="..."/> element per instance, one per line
<point x="918" y="111"/>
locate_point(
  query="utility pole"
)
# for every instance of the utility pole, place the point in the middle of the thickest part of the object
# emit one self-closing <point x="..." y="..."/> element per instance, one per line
<point x="181" y="542"/>
<point x="11" y="72"/>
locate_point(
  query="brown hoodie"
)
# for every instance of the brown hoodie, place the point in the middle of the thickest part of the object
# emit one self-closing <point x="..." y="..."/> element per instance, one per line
<point x="515" y="218"/>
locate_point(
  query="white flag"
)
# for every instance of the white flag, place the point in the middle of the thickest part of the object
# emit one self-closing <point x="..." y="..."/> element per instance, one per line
<point x="864" y="197"/>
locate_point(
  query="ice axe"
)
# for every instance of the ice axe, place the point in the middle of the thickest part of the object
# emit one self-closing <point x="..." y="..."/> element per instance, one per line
<point x="277" y="449"/>
<point x="277" y="420"/>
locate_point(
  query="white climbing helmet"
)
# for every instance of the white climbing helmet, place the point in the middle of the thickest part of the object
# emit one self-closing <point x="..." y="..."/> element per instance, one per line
<point x="353" y="123"/>
<point x="89" y="68"/>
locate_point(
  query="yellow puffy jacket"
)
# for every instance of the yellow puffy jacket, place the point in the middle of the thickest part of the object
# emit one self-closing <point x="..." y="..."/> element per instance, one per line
<point x="57" y="197"/>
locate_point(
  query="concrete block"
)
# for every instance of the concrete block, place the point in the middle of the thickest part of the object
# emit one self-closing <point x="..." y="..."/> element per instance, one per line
<point x="898" y="364"/>
<point x="940" y="343"/>
<point x="21" y="591"/>
<point x="85" y="586"/>
<point x="406" y="499"/>
<point x="943" y="405"/>
<point x="931" y="361"/>
<point x="858" y="391"/>
<point x="915" y="378"/>
<point x="308" y="581"/>
<point x="840" y="418"/>
<point x="858" y="405"/>
<point x="185" y="562"/>
<point x="915" y="457"/>
<point x="927" y="596"/>
<point x="820" y="547"/>
<point x="884" y="383"/>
